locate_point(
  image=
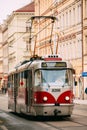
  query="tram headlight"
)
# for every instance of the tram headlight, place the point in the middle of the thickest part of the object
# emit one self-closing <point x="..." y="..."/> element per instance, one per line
<point x="67" y="98"/>
<point x="35" y="99"/>
<point x="45" y="98"/>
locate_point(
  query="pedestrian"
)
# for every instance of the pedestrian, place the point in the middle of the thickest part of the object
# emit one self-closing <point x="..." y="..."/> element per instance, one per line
<point x="86" y="90"/>
<point x="2" y="89"/>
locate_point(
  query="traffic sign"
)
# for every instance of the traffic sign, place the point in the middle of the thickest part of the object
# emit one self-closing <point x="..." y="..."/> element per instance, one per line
<point x="84" y="74"/>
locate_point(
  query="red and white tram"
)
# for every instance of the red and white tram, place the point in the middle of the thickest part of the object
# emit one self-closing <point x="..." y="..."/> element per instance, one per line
<point x="42" y="87"/>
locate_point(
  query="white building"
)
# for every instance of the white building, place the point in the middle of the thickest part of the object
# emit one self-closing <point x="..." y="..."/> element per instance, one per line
<point x="15" y="37"/>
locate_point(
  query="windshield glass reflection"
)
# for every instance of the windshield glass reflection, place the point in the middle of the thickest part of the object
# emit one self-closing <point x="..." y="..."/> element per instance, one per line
<point x="56" y="77"/>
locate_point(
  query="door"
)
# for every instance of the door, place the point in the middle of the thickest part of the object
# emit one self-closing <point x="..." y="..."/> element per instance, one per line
<point x="29" y="89"/>
<point x="15" y="90"/>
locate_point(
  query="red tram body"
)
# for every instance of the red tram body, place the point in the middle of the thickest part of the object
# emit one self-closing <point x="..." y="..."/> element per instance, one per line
<point x="42" y="87"/>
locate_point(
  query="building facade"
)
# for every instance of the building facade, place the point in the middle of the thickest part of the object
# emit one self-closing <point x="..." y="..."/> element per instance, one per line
<point x="1" y="59"/>
<point x="69" y="35"/>
<point x="18" y="36"/>
<point x="66" y="35"/>
<point x="84" y="41"/>
<point x="15" y="39"/>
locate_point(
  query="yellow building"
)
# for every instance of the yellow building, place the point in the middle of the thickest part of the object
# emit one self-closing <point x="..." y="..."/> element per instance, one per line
<point x="44" y="27"/>
<point x="69" y="32"/>
<point x="1" y="59"/>
<point x="84" y="44"/>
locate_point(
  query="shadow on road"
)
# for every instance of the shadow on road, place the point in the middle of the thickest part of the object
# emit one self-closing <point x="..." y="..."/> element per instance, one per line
<point x="41" y="118"/>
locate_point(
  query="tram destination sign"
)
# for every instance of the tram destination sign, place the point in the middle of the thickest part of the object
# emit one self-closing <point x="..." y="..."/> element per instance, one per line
<point x="84" y="74"/>
<point x="54" y="64"/>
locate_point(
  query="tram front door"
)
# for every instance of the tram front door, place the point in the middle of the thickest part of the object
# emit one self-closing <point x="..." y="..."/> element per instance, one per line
<point x="29" y="89"/>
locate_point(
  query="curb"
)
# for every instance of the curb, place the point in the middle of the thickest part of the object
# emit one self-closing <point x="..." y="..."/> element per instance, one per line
<point x="80" y="102"/>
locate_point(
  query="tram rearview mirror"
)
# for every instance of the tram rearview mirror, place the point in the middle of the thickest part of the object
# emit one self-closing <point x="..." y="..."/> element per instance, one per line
<point x="75" y="83"/>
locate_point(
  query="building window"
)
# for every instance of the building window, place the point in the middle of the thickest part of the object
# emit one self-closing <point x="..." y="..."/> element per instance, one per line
<point x="66" y="19"/>
<point x="86" y="8"/>
<point x="74" y="18"/>
<point x="28" y="46"/>
<point x="73" y="49"/>
<point x="79" y="13"/>
<point x="27" y="29"/>
<point x="69" y="17"/>
<point x="59" y="22"/>
<point x="63" y="21"/>
<point x="79" y="48"/>
<point x="85" y="45"/>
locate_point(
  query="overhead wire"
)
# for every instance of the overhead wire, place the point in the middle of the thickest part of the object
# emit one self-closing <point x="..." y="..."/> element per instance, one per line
<point x="41" y="29"/>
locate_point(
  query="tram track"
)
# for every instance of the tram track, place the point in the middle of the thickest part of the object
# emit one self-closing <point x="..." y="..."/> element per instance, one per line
<point x="12" y="121"/>
<point x="56" y="123"/>
<point x="65" y="123"/>
<point x="76" y="121"/>
<point x="61" y="123"/>
<point x="79" y="117"/>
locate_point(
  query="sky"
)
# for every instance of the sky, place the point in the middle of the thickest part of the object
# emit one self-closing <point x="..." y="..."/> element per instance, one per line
<point x="8" y="6"/>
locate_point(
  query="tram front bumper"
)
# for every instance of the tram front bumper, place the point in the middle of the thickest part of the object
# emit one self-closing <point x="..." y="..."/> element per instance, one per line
<point x="52" y="110"/>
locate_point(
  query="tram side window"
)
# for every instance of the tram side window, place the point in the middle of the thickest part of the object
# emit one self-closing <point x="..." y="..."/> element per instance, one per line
<point x="69" y="77"/>
<point x="16" y="80"/>
<point x="23" y="77"/>
<point x="10" y="81"/>
<point x="37" y="78"/>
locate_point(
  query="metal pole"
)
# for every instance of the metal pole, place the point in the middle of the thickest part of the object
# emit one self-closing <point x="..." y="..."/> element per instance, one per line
<point x="82" y="49"/>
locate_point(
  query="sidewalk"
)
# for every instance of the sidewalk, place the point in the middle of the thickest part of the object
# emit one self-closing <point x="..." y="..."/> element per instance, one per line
<point x="79" y="101"/>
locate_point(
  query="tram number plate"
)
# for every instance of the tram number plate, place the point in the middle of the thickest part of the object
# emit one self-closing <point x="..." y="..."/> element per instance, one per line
<point x="55" y="90"/>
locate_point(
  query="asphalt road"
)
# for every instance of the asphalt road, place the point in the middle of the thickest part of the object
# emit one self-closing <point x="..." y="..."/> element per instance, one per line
<point x="10" y="121"/>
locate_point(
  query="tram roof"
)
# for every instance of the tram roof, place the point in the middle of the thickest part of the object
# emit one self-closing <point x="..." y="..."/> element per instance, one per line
<point x="35" y="65"/>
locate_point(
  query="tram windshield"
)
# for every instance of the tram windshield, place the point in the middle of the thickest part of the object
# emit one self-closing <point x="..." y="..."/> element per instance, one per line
<point x="50" y="77"/>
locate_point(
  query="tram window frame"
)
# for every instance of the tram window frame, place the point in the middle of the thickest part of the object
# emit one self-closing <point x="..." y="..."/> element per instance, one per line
<point x="70" y="83"/>
<point x="11" y="81"/>
<point x="23" y="76"/>
<point x="37" y="75"/>
<point x="16" y="79"/>
<point x="29" y="78"/>
<point x="26" y="74"/>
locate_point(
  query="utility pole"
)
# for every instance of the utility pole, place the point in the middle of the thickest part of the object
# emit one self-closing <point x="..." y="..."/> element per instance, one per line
<point x="82" y="49"/>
